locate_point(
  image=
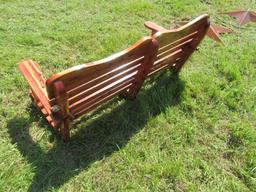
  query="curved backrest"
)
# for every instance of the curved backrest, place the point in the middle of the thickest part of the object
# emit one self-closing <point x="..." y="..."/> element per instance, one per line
<point x="88" y="85"/>
<point x="175" y="46"/>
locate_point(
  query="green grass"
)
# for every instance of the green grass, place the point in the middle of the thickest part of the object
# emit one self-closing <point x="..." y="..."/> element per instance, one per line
<point x="192" y="132"/>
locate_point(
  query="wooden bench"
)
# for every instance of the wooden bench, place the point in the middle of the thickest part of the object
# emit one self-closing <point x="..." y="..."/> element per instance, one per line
<point x="67" y="95"/>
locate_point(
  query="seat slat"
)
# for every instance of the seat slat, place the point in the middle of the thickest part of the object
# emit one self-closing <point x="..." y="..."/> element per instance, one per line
<point x="37" y="72"/>
<point x="49" y="117"/>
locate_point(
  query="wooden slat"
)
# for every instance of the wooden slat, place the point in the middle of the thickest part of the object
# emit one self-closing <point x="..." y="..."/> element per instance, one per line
<point x="99" y="84"/>
<point x="49" y="117"/>
<point x="162" y="67"/>
<point x="173" y="49"/>
<point x="177" y="42"/>
<point x="103" y="96"/>
<point x="144" y="70"/>
<point x="99" y="101"/>
<point x="173" y="35"/>
<point x="73" y="77"/>
<point x="169" y="58"/>
<point x="92" y="70"/>
<point x="35" y="85"/>
<point x="98" y="78"/>
<point x="191" y="48"/>
<point x="99" y="92"/>
<point x="36" y="71"/>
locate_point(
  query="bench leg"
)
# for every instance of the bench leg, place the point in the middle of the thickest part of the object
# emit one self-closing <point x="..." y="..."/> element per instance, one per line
<point x="64" y="129"/>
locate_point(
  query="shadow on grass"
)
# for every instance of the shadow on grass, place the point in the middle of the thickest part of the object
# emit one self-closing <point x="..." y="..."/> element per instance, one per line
<point x="96" y="139"/>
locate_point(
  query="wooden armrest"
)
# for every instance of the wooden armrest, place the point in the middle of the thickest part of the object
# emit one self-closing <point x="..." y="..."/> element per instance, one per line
<point x="32" y="72"/>
<point x="31" y="69"/>
<point x="154" y="27"/>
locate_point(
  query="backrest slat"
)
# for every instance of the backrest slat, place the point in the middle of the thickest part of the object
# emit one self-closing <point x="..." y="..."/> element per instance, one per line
<point x="126" y="68"/>
<point x="177" y="42"/>
<point x="175" y="46"/>
<point x="103" y="83"/>
<point x="99" y="97"/>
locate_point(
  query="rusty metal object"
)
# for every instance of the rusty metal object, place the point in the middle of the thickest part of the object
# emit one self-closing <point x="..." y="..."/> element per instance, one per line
<point x="242" y="16"/>
<point x="214" y="31"/>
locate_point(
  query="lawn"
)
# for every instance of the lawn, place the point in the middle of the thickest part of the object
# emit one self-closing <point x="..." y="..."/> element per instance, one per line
<point x="195" y="131"/>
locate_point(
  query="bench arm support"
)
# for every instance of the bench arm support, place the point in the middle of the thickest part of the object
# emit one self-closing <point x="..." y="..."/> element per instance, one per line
<point x="154" y="27"/>
<point x="32" y="72"/>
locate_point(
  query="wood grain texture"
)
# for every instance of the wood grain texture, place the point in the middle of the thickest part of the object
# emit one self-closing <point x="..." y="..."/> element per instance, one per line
<point x="82" y="88"/>
<point x="154" y="27"/>
<point x="63" y="111"/>
<point x="178" y="44"/>
<point x="33" y="74"/>
<point x="147" y="64"/>
<point x="75" y="91"/>
<point x="77" y="75"/>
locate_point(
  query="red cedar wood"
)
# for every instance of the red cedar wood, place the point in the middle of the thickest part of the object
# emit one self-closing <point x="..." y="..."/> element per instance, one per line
<point x="86" y="91"/>
<point x="63" y="113"/>
<point x="93" y="102"/>
<point x="84" y="87"/>
<point x="72" y="77"/>
<point x="144" y="70"/>
<point x="185" y="38"/>
<point x="104" y="92"/>
<point x="125" y="70"/>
